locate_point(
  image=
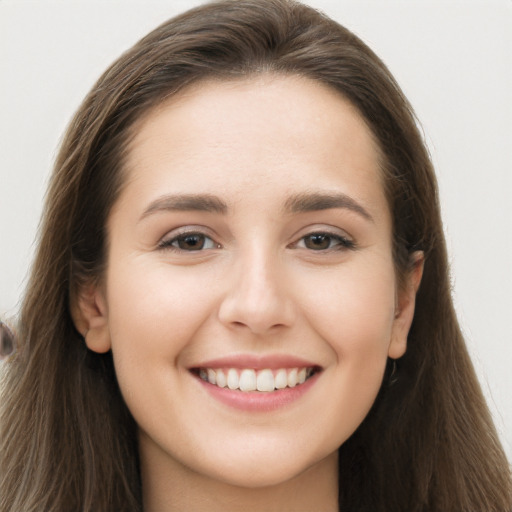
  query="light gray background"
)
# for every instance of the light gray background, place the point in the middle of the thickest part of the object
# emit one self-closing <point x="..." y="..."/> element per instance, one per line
<point x="452" y="58"/>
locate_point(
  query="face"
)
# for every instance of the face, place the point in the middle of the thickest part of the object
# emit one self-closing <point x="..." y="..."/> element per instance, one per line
<point x="250" y="297"/>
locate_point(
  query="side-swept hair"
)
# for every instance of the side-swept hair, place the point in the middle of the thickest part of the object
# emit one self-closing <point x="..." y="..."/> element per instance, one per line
<point x="68" y="442"/>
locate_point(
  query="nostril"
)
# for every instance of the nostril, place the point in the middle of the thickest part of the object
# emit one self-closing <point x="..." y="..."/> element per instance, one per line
<point x="256" y="302"/>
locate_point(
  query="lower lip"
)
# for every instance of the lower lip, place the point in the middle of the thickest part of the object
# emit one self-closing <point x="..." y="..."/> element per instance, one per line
<point x="259" y="401"/>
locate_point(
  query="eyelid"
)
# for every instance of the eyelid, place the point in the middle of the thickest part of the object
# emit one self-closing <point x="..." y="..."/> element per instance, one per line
<point x="323" y="229"/>
<point x="171" y="236"/>
<point x="346" y="241"/>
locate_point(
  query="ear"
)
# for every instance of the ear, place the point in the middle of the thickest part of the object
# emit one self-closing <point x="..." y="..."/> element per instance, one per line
<point x="405" y="304"/>
<point x="90" y="316"/>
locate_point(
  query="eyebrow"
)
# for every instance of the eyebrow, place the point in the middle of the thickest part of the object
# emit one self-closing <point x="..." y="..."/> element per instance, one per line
<point x="316" y="201"/>
<point x="300" y="203"/>
<point x="186" y="202"/>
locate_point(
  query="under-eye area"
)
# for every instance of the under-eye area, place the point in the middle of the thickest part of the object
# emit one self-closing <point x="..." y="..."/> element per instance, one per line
<point x="249" y="379"/>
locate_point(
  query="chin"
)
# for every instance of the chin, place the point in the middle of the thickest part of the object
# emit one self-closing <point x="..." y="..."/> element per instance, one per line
<point x="252" y="477"/>
<point x="263" y="472"/>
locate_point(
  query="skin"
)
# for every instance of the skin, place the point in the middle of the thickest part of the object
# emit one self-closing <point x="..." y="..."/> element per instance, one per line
<point x="259" y="287"/>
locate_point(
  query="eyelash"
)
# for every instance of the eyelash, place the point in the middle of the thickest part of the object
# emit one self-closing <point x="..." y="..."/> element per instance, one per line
<point x="340" y="242"/>
<point x="168" y="243"/>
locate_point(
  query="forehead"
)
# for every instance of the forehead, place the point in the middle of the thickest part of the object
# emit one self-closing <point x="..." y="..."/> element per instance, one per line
<point x="255" y="133"/>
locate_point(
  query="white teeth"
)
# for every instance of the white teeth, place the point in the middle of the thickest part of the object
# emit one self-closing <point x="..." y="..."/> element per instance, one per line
<point x="281" y="379"/>
<point x="292" y="378"/>
<point x="212" y="377"/>
<point x="248" y="380"/>
<point x="265" y="381"/>
<point x="233" y="379"/>
<point x="251" y="380"/>
<point x="221" y="379"/>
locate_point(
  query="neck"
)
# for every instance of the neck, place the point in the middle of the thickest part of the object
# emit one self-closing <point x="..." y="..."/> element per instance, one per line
<point x="172" y="487"/>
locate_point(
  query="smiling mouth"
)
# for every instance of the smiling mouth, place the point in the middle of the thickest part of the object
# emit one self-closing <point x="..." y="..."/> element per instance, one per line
<point x="248" y="379"/>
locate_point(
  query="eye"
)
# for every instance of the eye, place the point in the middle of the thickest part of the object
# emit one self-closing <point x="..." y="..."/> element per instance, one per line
<point x="325" y="242"/>
<point x="189" y="242"/>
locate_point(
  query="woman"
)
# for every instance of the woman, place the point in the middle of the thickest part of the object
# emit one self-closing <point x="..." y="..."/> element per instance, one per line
<point x="241" y="296"/>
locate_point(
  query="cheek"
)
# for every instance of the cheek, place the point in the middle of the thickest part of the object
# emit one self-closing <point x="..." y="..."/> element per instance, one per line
<point x="354" y="315"/>
<point x="154" y="311"/>
<point x="355" y="308"/>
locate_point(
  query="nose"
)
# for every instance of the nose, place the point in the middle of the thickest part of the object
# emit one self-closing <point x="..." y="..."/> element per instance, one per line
<point x="258" y="298"/>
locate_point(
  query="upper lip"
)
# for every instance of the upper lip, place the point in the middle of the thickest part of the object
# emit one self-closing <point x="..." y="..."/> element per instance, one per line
<point x="257" y="362"/>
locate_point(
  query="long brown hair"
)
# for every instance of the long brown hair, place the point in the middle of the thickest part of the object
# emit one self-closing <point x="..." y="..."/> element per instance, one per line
<point x="68" y="441"/>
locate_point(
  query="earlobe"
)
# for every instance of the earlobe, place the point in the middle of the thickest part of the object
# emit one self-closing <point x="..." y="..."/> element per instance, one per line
<point x="406" y="303"/>
<point x="89" y="313"/>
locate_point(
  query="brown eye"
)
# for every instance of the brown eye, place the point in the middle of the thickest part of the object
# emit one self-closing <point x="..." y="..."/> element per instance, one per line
<point x="318" y="241"/>
<point x="192" y="242"/>
<point x="189" y="242"/>
<point x="325" y="242"/>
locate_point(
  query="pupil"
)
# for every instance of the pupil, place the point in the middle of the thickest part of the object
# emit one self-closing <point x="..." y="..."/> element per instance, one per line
<point x="191" y="242"/>
<point x="318" y="242"/>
